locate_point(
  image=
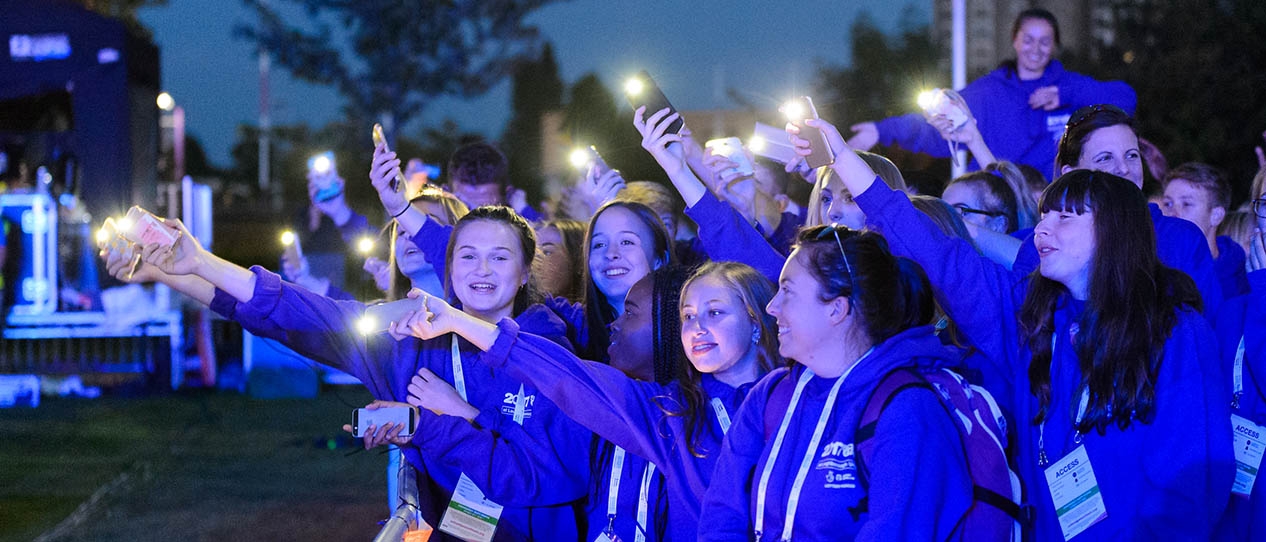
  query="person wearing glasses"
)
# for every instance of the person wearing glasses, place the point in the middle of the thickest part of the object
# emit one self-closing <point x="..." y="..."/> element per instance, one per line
<point x="1102" y="138"/>
<point x="1123" y="425"/>
<point x="1020" y="107"/>
<point x="992" y="199"/>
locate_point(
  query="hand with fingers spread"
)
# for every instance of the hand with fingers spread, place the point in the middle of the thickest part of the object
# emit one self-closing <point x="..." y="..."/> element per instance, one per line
<point x="665" y="147"/>
<point x="389" y="433"/>
<point x="382" y="171"/>
<point x="865" y="136"/>
<point x="430" y="392"/>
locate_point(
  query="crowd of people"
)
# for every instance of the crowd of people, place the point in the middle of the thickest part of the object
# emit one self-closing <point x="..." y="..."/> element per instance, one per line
<point x="1011" y="358"/>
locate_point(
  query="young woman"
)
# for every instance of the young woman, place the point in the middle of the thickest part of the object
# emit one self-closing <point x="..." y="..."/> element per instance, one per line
<point x="1116" y="393"/>
<point x="994" y="199"/>
<point x="516" y="448"/>
<point x="560" y="258"/>
<point x="678" y="426"/>
<point x="1102" y="138"/>
<point x="848" y="313"/>
<point x="412" y="267"/>
<point x="1241" y="328"/>
<point x="1020" y="107"/>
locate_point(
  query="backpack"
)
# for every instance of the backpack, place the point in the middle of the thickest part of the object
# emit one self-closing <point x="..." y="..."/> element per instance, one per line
<point x="995" y="513"/>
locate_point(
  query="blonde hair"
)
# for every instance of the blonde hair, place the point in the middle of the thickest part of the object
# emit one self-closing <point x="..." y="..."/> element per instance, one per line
<point x="883" y="167"/>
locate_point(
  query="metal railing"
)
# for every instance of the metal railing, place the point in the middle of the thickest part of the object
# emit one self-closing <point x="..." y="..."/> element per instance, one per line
<point x="407" y="515"/>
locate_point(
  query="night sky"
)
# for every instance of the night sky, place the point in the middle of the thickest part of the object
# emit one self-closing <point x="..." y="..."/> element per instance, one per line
<point x="766" y="49"/>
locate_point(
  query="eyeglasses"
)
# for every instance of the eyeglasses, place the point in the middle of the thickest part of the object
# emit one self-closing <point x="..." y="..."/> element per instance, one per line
<point x="834" y="230"/>
<point x="964" y="210"/>
<point x="1259" y="207"/>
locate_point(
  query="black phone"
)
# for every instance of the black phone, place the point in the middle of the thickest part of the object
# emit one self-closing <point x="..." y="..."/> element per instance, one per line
<point x="799" y="110"/>
<point x="641" y="90"/>
<point x="363" y="418"/>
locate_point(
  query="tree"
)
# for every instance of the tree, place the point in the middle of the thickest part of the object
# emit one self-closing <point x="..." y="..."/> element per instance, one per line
<point x="1197" y="68"/>
<point x="537" y="90"/>
<point x="123" y="10"/>
<point x="592" y="117"/>
<point x="402" y="53"/>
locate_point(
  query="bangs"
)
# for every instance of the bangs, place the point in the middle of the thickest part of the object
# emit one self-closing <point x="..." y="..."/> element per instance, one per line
<point x="1069" y="193"/>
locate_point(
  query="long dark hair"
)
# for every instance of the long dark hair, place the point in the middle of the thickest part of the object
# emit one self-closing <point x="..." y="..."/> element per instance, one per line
<point x="598" y="312"/>
<point x="527" y="294"/>
<point x="755" y="291"/>
<point x="1024" y="17"/>
<point x="893" y="294"/>
<point x="1132" y="306"/>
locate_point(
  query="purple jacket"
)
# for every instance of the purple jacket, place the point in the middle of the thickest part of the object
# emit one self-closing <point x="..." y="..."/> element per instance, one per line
<point x="626" y="412"/>
<point x="1245" y="318"/>
<point x="726" y="236"/>
<point x="919" y="484"/>
<point x="1168" y="479"/>
<point x="538" y="471"/>
<point x="1014" y="131"/>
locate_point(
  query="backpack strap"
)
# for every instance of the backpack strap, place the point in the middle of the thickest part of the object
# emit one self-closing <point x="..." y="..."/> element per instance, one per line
<point x="893" y="383"/>
<point x="779" y="400"/>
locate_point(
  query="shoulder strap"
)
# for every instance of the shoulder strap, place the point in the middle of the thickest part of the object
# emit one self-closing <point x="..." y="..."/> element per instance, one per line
<point x="779" y="399"/>
<point x="893" y="383"/>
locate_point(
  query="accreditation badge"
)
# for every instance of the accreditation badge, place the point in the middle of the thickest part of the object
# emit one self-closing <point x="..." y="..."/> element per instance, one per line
<point x="1075" y="492"/>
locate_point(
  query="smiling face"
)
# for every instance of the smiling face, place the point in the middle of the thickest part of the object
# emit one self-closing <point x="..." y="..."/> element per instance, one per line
<point x="409" y="258"/>
<point x="620" y="253"/>
<point x="967" y="197"/>
<point x="487" y="268"/>
<point x="632" y="341"/>
<point x="1065" y="243"/>
<point x="1112" y="149"/>
<point x="803" y="318"/>
<point x="718" y="335"/>
<point x="837" y="206"/>
<point x="1034" y="45"/>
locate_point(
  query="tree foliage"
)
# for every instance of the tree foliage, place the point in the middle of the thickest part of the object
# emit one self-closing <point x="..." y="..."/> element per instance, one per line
<point x="390" y="57"/>
<point x="1197" y="66"/>
<point x="537" y="89"/>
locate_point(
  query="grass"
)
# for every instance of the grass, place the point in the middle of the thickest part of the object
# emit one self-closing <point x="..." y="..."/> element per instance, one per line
<point x="193" y="466"/>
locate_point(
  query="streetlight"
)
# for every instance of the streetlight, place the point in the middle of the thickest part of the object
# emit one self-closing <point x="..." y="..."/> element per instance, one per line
<point x="174" y="118"/>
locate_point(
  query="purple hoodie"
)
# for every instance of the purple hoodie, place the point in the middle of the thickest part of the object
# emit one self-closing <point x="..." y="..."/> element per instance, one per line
<point x="1164" y="480"/>
<point x="1244" y="318"/>
<point x="626" y="412"/>
<point x="1014" y="131"/>
<point x="919" y="485"/>
<point x="726" y="236"/>
<point x="537" y="470"/>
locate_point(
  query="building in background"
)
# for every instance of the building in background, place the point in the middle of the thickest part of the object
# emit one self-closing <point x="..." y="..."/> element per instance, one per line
<point x="1082" y="23"/>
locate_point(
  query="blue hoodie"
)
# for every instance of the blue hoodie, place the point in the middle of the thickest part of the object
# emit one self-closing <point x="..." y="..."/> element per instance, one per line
<point x="1229" y="266"/>
<point x="626" y="412"/>
<point x="1179" y="244"/>
<point x="727" y="236"/>
<point x="1245" y="318"/>
<point x="919" y="485"/>
<point x="1014" y="131"/>
<point x="1165" y="480"/>
<point x="537" y="470"/>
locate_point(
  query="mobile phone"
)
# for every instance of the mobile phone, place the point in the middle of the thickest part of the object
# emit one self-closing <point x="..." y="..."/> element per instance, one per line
<point x="772" y="143"/>
<point x="380" y="139"/>
<point x="378" y="317"/>
<point x="641" y="90"/>
<point x="732" y="148"/>
<point x="143" y="228"/>
<point x="363" y="418"/>
<point x="323" y="166"/>
<point x="293" y="249"/>
<point x="799" y="110"/>
<point x="944" y="102"/>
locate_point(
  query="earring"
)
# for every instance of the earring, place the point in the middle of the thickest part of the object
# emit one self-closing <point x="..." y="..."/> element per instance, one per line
<point x="755" y="335"/>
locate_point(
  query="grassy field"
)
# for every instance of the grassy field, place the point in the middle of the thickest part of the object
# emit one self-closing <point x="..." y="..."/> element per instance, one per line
<point x="190" y="466"/>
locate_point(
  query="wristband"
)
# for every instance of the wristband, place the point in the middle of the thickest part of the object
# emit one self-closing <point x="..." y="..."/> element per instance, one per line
<point x="406" y="208"/>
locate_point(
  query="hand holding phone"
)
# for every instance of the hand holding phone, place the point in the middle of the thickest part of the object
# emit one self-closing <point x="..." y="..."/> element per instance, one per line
<point x="945" y="103"/>
<point x="641" y="90"/>
<point x="145" y="229"/>
<point x="732" y="149"/>
<point x="380" y="139"/>
<point x="379" y="416"/>
<point x="798" y="111"/>
<point x="771" y="143"/>
<point x="378" y="317"/>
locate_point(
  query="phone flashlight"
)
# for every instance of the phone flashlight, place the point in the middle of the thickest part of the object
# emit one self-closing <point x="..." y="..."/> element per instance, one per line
<point x="756" y="144"/>
<point x="366" y="325"/>
<point x="634" y="86"/>
<point x="795" y="111"/>
<point x="124" y="224"/>
<point x="927" y="99"/>
<point x="321" y="163"/>
<point x="103" y="237"/>
<point x="365" y="245"/>
<point x="580" y="158"/>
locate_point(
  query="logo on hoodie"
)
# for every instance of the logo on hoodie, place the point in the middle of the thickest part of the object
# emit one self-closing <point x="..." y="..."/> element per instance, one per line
<point x="1055" y="125"/>
<point x="518" y="402"/>
<point x="837" y="460"/>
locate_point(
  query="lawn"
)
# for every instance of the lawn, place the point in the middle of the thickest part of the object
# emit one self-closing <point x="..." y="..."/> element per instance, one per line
<point x="196" y="465"/>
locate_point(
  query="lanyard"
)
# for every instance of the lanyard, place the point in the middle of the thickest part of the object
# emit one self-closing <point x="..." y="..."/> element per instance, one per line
<point x="613" y="497"/>
<point x="793" y="499"/>
<point x="1081" y="412"/>
<point x="723" y="417"/>
<point x="459" y="375"/>
<point x="1237" y="376"/>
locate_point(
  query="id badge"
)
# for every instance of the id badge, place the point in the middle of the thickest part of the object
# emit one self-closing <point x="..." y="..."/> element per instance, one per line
<point x="1250" y="441"/>
<point x="1075" y="492"/>
<point x="470" y="516"/>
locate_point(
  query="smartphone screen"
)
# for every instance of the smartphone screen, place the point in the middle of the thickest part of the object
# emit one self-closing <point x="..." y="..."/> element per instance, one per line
<point x="378" y="317"/>
<point x="798" y="111"/>
<point x="772" y="143"/>
<point x="641" y="90"/>
<point x="363" y="418"/>
<point x="732" y="148"/>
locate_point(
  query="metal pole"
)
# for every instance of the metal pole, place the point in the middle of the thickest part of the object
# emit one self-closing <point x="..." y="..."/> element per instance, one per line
<point x="958" y="63"/>
<point x="265" y="124"/>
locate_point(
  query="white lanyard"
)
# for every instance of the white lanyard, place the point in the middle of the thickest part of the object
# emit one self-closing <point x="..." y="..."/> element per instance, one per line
<point x="723" y="417"/>
<point x="613" y="497"/>
<point x="1237" y="375"/>
<point x="793" y="499"/>
<point x="459" y="375"/>
<point x="1081" y="413"/>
